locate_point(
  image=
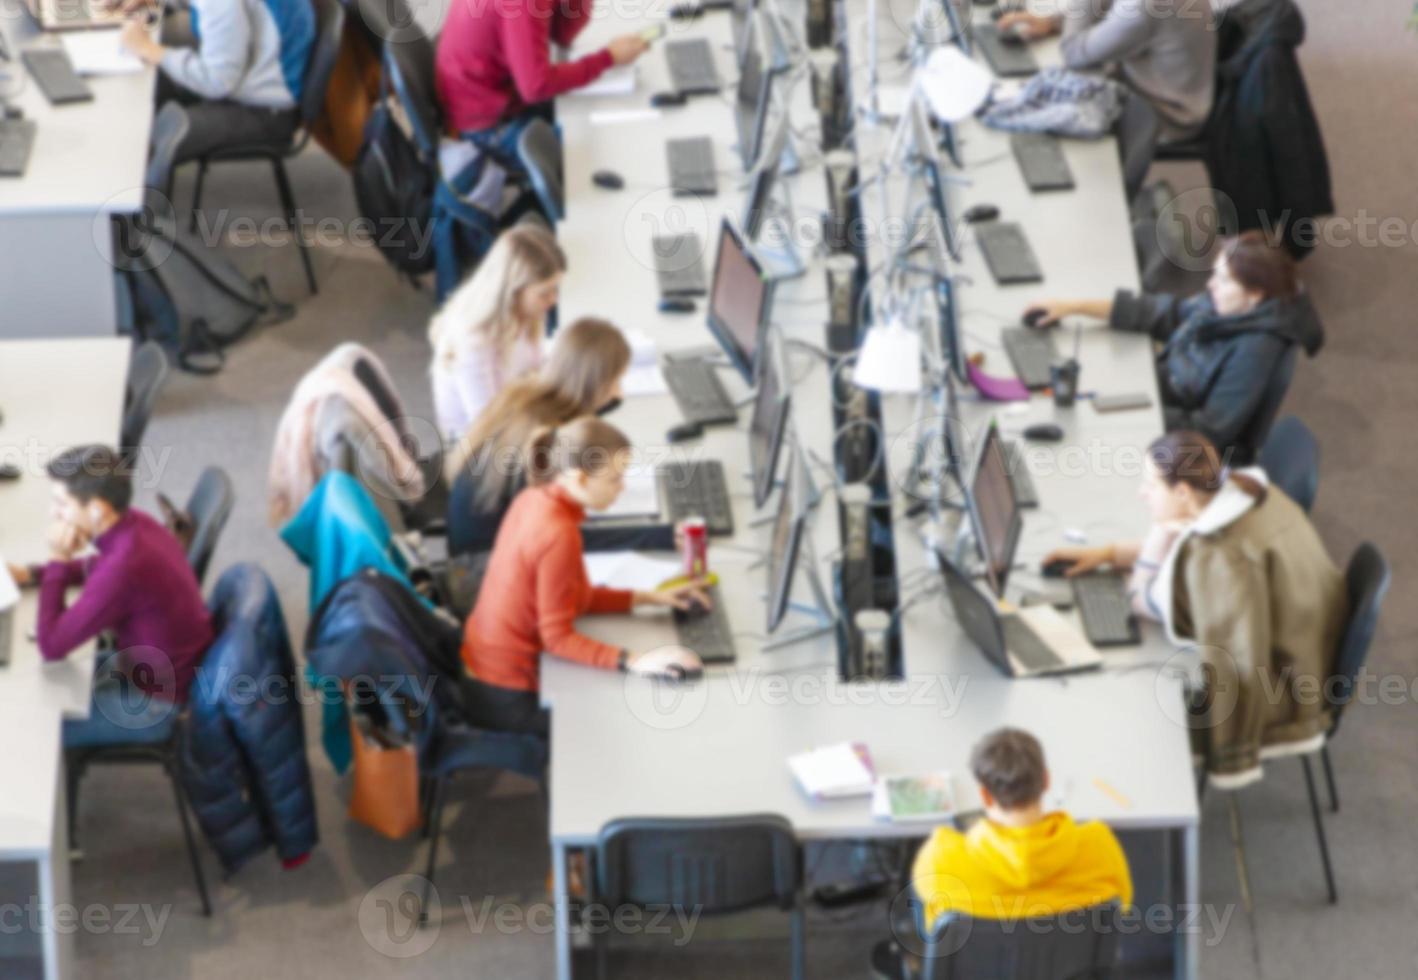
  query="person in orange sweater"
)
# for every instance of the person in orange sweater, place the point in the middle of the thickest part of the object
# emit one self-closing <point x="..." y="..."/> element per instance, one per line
<point x="536" y="584"/>
<point x="1018" y="861"/>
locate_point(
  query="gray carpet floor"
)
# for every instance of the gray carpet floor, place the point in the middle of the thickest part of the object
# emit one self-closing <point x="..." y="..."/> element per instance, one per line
<point x="329" y="918"/>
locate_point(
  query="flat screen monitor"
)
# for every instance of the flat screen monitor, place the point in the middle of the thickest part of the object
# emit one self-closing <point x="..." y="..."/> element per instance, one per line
<point x="740" y="297"/>
<point x="994" y="515"/>
<point x="769" y="422"/>
<point x="789" y="525"/>
<point x="741" y="13"/>
<point x="952" y="346"/>
<point x="765" y="174"/>
<point x="755" y="90"/>
<point x="957" y="14"/>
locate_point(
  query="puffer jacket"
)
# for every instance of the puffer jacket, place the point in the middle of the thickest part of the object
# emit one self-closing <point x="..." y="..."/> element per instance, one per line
<point x="243" y="759"/>
<point x="1250" y="584"/>
<point x="1215" y="371"/>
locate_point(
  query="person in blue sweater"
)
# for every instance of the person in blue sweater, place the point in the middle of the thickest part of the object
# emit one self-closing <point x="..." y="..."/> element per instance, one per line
<point x="239" y="84"/>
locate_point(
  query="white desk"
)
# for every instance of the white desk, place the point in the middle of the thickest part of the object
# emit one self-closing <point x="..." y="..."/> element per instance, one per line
<point x="88" y="162"/>
<point x="54" y="394"/>
<point x="623" y="746"/>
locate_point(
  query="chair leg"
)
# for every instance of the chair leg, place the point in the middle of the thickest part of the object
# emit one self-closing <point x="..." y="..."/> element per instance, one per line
<point x="288" y="203"/>
<point x="1319" y="830"/>
<point x="1238" y="846"/>
<point x="192" y="853"/>
<point x="73" y="776"/>
<point x="436" y="818"/>
<point x="799" y="940"/>
<point x="197" y="192"/>
<point x="1329" y="779"/>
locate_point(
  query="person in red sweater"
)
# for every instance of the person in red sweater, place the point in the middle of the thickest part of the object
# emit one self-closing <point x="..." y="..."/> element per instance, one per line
<point x="494" y="64"/>
<point x="536" y="584"/>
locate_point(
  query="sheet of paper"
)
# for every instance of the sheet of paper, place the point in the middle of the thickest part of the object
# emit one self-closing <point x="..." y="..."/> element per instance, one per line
<point x="642" y="380"/>
<point x="99" y="53"/>
<point x="610" y="117"/>
<point x="832" y="772"/>
<point x="640" y="498"/>
<point x="954" y="85"/>
<point x="620" y="80"/>
<point x="9" y="592"/>
<point x="630" y="570"/>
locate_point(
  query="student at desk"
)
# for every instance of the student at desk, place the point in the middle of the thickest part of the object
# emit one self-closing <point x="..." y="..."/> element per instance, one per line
<point x="1018" y="861"/>
<point x="238" y="86"/>
<point x="1222" y="347"/>
<point x="536" y="583"/>
<point x="138" y="585"/>
<point x="489" y="332"/>
<point x="494" y="67"/>
<point x="1233" y="567"/>
<point x="488" y="466"/>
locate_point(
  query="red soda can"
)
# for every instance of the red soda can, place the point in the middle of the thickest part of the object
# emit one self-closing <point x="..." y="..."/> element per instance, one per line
<point x="696" y="546"/>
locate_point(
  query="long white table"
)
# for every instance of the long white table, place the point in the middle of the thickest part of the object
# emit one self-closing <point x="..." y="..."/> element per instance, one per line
<point x="54" y="394"/>
<point x="623" y="746"/>
<point x="56" y="278"/>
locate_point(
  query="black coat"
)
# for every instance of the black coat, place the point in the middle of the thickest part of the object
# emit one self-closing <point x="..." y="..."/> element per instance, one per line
<point x="1216" y="371"/>
<point x="1264" y="148"/>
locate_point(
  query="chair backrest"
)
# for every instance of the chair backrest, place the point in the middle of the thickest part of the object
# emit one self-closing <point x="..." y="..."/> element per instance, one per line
<point x="146" y="374"/>
<point x="1254" y="434"/>
<point x="329" y="28"/>
<point x="1367" y="579"/>
<point x="209" y="507"/>
<point x="1291" y="458"/>
<point x="539" y="149"/>
<point x="715" y="864"/>
<point x="408" y="66"/>
<point x="1079" y="945"/>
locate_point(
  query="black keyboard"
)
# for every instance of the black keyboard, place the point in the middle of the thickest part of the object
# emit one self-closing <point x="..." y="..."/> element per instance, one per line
<point x="691" y="65"/>
<point x="1107" y="615"/>
<point x="54" y="73"/>
<point x="707" y="632"/>
<point x="1026" y="646"/>
<point x="1007" y="252"/>
<point x="1008" y="58"/>
<point x="1026" y="494"/>
<point x="679" y="264"/>
<point x="1032" y="354"/>
<point x="16" y="142"/>
<point x="697" y="489"/>
<point x="698" y="391"/>
<point x="1041" y="162"/>
<point x="691" y="165"/>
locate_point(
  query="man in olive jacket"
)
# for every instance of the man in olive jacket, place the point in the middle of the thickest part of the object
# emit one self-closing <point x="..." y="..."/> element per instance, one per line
<point x="1252" y="586"/>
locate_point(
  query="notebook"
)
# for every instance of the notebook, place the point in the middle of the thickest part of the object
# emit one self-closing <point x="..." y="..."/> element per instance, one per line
<point x="836" y="772"/>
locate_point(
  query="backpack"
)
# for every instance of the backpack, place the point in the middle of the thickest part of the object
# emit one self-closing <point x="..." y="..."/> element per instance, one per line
<point x="174" y="289"/>
<point x="394" y="187"/>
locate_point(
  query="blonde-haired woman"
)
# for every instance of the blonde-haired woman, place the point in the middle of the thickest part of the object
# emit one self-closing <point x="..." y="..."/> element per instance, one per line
<point x="489" y="332"/>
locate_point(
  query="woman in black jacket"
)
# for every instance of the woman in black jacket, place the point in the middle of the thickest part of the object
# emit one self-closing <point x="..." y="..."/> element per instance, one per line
<point x="1224" y="350"/>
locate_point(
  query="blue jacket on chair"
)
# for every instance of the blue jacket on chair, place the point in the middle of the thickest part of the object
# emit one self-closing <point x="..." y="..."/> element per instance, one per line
<point x="243" y="757"/>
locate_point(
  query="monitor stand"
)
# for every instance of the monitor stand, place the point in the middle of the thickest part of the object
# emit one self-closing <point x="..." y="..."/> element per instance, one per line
<point x="820" y="609"/>
<point x="781" y="260"/>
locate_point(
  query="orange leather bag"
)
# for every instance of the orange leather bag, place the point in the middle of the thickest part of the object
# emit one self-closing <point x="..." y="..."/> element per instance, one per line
<point x="350" y="97"/>
<point x="385" y="796"/>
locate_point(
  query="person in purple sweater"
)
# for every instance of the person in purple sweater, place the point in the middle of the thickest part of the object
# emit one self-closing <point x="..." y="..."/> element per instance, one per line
<point x="137" y="585"/>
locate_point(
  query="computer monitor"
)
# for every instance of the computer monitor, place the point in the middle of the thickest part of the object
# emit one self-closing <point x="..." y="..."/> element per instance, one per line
<point x="741" y="13"/>
<point x="994" y="515"/>
<point x="959" y="20"/>
<point x="952" y="346"/>
<point x="765" y="174"/>
<point x="789" y="525"/>
<point x="755" y="90"/>
<point x="740" y="297"/>
<point x="772" y="399"/>
<point x="923" y="141"/>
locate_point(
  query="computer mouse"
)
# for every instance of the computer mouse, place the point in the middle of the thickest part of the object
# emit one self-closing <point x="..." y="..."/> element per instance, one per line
<point x="9" y="471"/>
<point x="13" y="111"/>
<point x="676" y="304"/>
<point x="1013" y="37"/>
<point x="1034" y="317"/>
<point x="981" y="212"/>
<point x="662" y="100"/>
<point x="1055" y="568"/>
<point x="608" y="179"/>
<point x="685" y="431"/>
<point x="1044" y="432"/>
<point x="678" y="673"/>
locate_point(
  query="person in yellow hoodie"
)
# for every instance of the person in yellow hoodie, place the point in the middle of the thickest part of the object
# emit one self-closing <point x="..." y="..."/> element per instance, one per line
<point x="1018" y="861"/>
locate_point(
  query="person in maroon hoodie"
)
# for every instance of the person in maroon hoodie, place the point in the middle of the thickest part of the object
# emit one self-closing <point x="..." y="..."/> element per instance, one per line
<point x="494" y="65"/>
<point x="138" y="585"/>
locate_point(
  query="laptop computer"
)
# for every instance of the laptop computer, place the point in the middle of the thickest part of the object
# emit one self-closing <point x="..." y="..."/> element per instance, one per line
<point x="1033" y="642"/>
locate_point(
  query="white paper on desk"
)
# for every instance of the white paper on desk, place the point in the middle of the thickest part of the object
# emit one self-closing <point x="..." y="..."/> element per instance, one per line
<point x="620" y="80"/>
<point x="630" y="570"/>
<point x="608" y="117"/>
<point x="830" y="773"/>
<point x="954" y="85"/>
<point x="99" y="53"/>
<point x="640" y="498"/>
<point x="9" y="592"/>
<point x="642" y="380"/>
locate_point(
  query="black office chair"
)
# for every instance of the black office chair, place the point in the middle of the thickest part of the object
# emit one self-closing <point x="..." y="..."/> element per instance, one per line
<point x="146" y="373"/>
<point x="1291" y="458"/>
<point x="1078" y="945"/>
<point x="717" y="865"/>
<point x="330" y="17"/>
<point x="539" y="150"/>
<point x="165" y="754"/>
<point x="208" y="508"/>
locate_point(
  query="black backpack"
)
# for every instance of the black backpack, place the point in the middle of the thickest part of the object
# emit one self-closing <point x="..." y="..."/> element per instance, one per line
<point x="174" y="289"/>
<point x="394" y="188"/>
